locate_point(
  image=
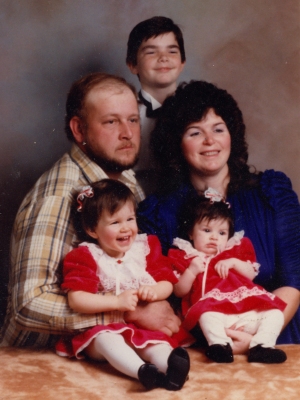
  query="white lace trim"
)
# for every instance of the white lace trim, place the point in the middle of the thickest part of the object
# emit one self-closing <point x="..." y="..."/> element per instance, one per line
<point x="190" y="251"/>
<point x="235" y="240"/>
<point x="186" y="246"/>
<point x="129" y="272"/>
<point x="237" y="295"/>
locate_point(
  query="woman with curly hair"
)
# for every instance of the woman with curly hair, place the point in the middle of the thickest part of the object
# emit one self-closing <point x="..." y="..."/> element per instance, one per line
<point x="199" y="142"/>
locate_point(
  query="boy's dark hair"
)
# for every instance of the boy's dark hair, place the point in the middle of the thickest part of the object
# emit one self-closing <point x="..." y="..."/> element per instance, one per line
<point x="109" y="195"/>
<point x="152" y="27"/>
<point x="75" y="104"/>
<point x="200" y="208"/>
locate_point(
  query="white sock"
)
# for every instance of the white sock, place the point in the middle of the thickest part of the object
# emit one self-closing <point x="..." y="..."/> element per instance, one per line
<point x="157" y="354"/>
<point x="117" y="352"/>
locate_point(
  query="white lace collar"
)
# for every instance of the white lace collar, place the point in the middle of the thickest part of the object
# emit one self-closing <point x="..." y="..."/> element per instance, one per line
<point x="190" y="251"/>
<point x="128" y="272"/>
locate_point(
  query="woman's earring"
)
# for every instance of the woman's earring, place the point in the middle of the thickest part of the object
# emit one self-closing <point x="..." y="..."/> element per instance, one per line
<point x="83" y="143"/>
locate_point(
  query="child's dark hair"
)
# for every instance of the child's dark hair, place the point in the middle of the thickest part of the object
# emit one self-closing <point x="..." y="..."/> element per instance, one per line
<point x="152" y="27"/>
<point x="109" y="195"/>
<point x="200" y="208"/>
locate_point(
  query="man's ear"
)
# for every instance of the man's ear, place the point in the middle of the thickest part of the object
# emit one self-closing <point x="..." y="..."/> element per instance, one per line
<point x="76" y="128"/>
<point x="133" y="69"/>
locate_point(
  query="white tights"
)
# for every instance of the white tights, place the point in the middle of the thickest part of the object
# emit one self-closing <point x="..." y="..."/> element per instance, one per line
<point x="265" y="326"/>
<point x="113" y="348"/>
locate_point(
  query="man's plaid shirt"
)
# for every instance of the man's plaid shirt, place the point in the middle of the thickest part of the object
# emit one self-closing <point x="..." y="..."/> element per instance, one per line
<point x="42" y="235"/>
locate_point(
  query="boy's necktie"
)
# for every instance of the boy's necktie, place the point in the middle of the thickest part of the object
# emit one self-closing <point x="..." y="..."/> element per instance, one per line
<point x="150" y="113"/>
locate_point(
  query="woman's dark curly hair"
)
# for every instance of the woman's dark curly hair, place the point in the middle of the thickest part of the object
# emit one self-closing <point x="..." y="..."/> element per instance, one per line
<point x="190" y="103"/>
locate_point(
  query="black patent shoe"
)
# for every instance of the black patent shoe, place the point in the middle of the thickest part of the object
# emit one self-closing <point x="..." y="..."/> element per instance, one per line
<point x="150" y="376"/>
<point x="220" y="353"/>
<point x="267" y="355"/>
<point x="178" y="369"/>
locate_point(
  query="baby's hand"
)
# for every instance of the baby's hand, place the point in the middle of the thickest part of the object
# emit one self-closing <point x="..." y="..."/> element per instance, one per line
<point x="222" y="267"/>
<point x="197" y="265"/>
<point x="146" y="293"/>
<point x="127" y="301"/>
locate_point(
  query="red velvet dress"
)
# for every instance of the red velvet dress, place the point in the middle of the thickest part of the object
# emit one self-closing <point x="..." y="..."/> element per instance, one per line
<point x="89" y="269"/>
<point x="234" y="295"/>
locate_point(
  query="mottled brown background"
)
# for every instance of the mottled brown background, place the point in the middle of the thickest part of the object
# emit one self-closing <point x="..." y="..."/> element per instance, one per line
<point x="249" y="47"/>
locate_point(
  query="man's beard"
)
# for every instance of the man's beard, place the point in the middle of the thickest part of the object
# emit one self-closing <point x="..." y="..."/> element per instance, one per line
<point x="110" y="165"/>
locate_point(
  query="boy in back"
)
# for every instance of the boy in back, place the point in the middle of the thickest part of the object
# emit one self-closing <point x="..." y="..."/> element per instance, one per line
<point x="155" y="53"/>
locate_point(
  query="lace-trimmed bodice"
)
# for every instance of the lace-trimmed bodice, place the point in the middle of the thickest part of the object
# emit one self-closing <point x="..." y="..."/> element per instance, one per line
<point x="190" y="251"/>
<point x="119" y="274"/>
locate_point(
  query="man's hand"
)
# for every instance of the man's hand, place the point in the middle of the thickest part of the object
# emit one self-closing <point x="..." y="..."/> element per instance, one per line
<point x="156" y="316"/>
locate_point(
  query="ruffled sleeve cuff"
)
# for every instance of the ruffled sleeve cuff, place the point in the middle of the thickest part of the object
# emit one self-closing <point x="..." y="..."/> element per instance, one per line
<point x="158" y="265"/>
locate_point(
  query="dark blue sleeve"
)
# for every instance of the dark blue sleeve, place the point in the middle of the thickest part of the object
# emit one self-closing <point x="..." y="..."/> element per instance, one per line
<point x="154" y="220"/>
<point x="159" y="215"/>
<point x="277" y="189"/>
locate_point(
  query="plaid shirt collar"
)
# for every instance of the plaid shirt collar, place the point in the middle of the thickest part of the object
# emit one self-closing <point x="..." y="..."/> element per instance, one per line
<point x="93" y="172"/>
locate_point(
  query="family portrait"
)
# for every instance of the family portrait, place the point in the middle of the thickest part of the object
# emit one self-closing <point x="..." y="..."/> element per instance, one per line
<point x="150" y="216"/>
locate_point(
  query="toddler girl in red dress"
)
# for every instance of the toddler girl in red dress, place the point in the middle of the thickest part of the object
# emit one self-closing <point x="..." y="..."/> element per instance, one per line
<point x="108" y="275"/>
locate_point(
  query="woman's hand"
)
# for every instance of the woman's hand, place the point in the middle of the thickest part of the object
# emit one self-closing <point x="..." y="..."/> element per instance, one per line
<point x="147" y="293"/>
<point x="292" y="298"/>
<point x="127" y="301"/>
<point x="241" y="340"/>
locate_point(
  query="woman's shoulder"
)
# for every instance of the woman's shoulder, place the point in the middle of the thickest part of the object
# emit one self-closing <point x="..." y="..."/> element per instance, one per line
<point x="272" y="188"/>
<point x="277" y="188"/>
<point x="271" y="179"/>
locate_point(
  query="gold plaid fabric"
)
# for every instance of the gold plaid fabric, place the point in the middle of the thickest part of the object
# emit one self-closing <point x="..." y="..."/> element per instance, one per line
<point x="42" y="235"/>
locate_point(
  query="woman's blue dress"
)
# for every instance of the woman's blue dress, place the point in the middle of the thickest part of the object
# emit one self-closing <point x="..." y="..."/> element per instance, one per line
<point x="269" y="213"/>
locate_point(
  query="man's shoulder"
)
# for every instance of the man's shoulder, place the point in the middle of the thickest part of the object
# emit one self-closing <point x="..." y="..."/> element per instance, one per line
<point x="60" y="180"/>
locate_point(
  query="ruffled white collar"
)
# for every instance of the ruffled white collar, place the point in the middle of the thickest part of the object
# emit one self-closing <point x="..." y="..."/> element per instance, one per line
<point x="190" y="251"/>
<point x="128" y="272"/>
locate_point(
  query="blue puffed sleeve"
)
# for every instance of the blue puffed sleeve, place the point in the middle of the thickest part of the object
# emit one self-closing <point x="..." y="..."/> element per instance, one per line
<point x="277" y="189"/>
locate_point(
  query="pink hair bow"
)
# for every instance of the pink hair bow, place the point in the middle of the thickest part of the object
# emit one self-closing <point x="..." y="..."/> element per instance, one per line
<point x="213" y="195"/>
<point x="86" y="191"/>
